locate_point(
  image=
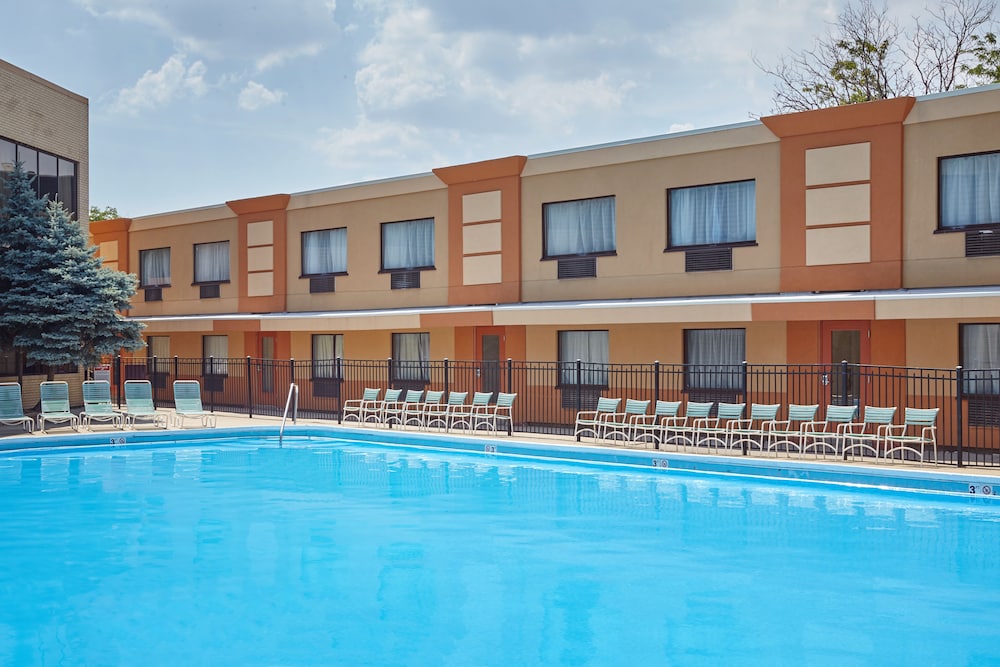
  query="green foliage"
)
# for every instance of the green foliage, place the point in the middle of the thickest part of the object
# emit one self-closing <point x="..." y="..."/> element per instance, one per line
<point x="106" y="213"/>
<point x="987" y="55"/>
<point x="58" y="303"/>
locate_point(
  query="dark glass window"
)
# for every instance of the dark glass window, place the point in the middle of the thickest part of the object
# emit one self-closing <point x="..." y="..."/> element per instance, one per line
<point x="54" y="176"/>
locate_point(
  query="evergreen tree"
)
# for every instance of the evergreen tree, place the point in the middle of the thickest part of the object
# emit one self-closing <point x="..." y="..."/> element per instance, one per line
<point x="58" y="303"/>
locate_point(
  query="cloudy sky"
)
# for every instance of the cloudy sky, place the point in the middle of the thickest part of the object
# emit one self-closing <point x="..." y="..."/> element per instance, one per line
<point x="194" y="102"/>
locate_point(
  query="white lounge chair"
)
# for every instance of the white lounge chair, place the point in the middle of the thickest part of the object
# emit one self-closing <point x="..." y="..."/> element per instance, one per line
<point x="187" y="404"/>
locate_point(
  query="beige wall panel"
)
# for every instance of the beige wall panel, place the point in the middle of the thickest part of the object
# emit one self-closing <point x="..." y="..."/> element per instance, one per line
<point x="767" y="343"/>
<point x="838" y="205"/>
<point x="109" y="252"/>
<point x="373" y="345"/>
<point x="260" y="259"/>
<point x="260" y="284"/>
<point x="110" y="265"/>
<point x="481" y="270"/>
<point x="364" y="287"/>
<point x="260" y="233"/>
<point x="641" y="267"/>
<point x="481" y="238"/>
<point x="838" y="164"/>
<point x="932" y="343"/>
<point x="481" y="206"/>
<point x="935" y="309"/>
<point x="583" y="315"/>
<point x="931" y="259"/>
<point x="838" y="245"/>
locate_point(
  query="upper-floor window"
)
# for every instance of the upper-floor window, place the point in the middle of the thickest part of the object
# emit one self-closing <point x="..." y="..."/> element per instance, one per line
<point x="969" y="190"/>
<point x="583" y="227"/>
<point x="408" y="245"/>
<point x="211" y="262"/>
<point x="154" y="267"/>
<point x="714" y="359"/>
<point x="324" y="252"/>
<point x="54" y="176"/>
<point x="707" y="215"/>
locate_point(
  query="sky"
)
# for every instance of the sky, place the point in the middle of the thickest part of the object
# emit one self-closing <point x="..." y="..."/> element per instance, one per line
<point x="196" y="102"/>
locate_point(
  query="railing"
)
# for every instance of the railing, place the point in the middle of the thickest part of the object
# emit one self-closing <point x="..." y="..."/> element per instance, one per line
<point x="549" y="393"/>
<point x="293" y="392"/>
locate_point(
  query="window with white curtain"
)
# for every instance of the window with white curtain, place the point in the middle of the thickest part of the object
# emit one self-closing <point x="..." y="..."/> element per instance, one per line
<point x="159" y="347"/>
<point x="589" y="347"/>
<point x="725" y="213"/>
<point x="211" y="262"/>
<point x="326" y="349"/>
<point x="981" y="358"/>
<point x="411" y="354"/>
<point x="580" y="227"/>
<point x="408" y="245"/>
<point x="216" y="347"/>
<point x="324" y="252"/>
<point x="154" y="267"/>
<point x="969" y="190"/>
<point x="714" y="358"/>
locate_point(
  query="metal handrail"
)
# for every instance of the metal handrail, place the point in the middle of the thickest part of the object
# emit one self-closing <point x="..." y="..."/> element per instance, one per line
<point x="293" y="389"/>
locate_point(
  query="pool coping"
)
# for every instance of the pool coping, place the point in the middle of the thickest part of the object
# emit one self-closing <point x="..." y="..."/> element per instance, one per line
<point x="870" y="475"/>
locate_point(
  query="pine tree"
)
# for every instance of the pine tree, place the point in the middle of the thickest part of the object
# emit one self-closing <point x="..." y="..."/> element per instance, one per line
<point x="58" y="303"/>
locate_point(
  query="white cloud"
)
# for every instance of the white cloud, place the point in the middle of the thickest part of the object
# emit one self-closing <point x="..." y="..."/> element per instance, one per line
<point x="255" y="96"/>
<point x="681" y="127"/>
<point x="172" y="81"/>
<point x="370" y="143"/>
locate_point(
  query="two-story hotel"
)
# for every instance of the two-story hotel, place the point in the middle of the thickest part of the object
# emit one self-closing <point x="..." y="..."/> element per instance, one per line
<point x="867" y="233"/>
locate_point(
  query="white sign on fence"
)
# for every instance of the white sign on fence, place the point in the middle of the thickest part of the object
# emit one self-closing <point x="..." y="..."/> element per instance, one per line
<point x="102" y="372"/>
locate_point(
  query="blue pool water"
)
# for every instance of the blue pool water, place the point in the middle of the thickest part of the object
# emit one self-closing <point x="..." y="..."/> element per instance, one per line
<point x="340" y="553"/>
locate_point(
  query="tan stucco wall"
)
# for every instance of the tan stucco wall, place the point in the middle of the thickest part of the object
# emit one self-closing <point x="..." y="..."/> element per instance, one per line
<point x="364" y="287"/>
<point x="40" y="114"/>
<point x="375" y="345"/>
<point x="935" y="129"/>
<point x="641" y="267"/>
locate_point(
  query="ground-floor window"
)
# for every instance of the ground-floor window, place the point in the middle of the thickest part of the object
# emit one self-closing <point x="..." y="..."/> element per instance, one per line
<point x="582" y="386"/>
<point x="980" y="356"/>
<point x="713" y="359"/>
<point x="326" y="349"/>
<point x="411" y="355"/>
<point x="215" y="351"/>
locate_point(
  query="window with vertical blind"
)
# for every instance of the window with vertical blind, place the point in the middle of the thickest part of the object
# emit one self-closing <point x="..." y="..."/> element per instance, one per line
<point x="714" y="359"/>
<point x="709" y="215"/>
<point x="411" y="354"/>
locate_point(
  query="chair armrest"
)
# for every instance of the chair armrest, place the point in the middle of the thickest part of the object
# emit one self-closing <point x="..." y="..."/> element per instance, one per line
<point x="894" y="430"/>
<point x="582" y="414"/>
<point x="814" y="427"/>
<point x="704" y="422"/>
<point x="738" y="424"/>
<point x="673" y="421"/>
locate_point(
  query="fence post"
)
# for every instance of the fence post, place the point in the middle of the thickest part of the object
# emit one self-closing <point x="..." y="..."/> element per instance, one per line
<point x="656" y="382"/>
<point x="746" y="388"/>
<point x="510" y="377"/>
<point x="211" y="366"/>
<point x="579" y="390"/>
<point x="388" y="372"/>
<point x="959" y="395"/>
<point x="249" y="388"/>
<point x="340" y="394"/>
<point x="446" y="377"/>
<point x="118" y="378"/>
<point x="291" y="372"/>
<point x="843" y="382"/>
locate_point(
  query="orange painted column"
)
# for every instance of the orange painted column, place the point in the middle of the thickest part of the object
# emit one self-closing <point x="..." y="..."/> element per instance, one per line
<point x="262" y="245"/>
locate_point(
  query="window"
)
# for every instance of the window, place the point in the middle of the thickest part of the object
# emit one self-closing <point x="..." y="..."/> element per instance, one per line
<point x="326" y="349"/>
<point x="215" y="353"/>
<point x="584" y="227"/>
<point x="154" y="268"/>
<point x="408" y="245"/>
<point x="54" y="176"/>
<point x="591" y="348"/>
<point x="714" y="361"/>
<point x="211" y="263"/>
<point x="969" y="191"/>
<point x="706" y="215"/>
<point x="980" y="356"/>
<point x="411" y="353"/>
<point x="324" y="252"/>
<point x="158" y="347"/>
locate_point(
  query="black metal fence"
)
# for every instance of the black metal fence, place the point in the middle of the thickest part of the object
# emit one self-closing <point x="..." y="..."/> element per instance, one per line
<point x="550" y="393"/>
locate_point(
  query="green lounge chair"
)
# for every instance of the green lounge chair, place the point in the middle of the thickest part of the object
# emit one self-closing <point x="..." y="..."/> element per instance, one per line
<point x="139" y="404"/>
<point x="97" y="405"/>
<point x="364" y="409"/>
<point x="55" y="405"/>
<point x="11" y="410"/>
<point x="187" y="404"/>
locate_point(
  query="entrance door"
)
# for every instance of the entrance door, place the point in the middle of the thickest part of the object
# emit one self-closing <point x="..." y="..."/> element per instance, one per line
<point x="850" y="342"/>
<point x="490" y="351"/>
<point x="267" y="364"/>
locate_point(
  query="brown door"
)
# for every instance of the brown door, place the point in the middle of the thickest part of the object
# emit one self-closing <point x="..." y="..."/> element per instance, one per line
<point x="490" y="354"/>
<point x="848" y="341"/>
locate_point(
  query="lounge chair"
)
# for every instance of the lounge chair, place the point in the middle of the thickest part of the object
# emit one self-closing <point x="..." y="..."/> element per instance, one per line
<point x="389" y="402"/>
<point x="364" y="409"/>
<point x="55" y="405"/>
<point x="790" y="433"/>
<point x="139" y="404"/>
<point x="755" y="430"/>
<point x="11" y="409"/>
<point x="826" y="434"/>
<point x="396" y="412"/>
<point x="650" y="428"/>
<point x="868" y="434"/>
<point x="623" y="423"/>
<point x="592" y="421"/>
<point x="465" y="415"/>
<point x="439" y="415"/>
<point x="97" y="405"/>
<point x="916" y="432"/>
<point x="717" y="430"/>
<point x="492" y="416"/>
<point x="681" y="431"/>
<point x="416" y="414"/>
<point x="187" y="404"/>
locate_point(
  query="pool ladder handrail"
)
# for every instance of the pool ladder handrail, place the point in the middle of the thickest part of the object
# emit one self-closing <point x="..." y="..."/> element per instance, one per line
<point x="293" y="390"/>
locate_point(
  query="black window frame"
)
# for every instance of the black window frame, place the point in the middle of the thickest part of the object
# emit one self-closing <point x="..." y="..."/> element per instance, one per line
<point x="939" y="229"/>
<point x="570" y="364"/>
<point x="142" y="279"/>
<point x="424" y="365"/>
<point x="72" y="206"/>
<point x="546" y="256"/>
<point x="703" y="246"/>
<point x="194" y="267"/>
<point x="401" y="269"/>
<point x="690" y="387"/>
<point x="302" y="257"/>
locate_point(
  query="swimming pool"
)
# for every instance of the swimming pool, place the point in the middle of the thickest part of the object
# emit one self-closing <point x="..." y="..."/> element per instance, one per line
<point x="335" y="551"/>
